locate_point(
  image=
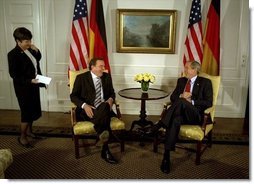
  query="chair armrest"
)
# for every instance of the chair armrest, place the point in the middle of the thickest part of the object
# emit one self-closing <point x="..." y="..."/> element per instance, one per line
<point x="209" y="110"/>
<point x="166" y="104"/>
<point x="118" y="113"/>
<point x="165" y="107"/>
<point x="73" y="116"/>
<point x="207" y="119"/>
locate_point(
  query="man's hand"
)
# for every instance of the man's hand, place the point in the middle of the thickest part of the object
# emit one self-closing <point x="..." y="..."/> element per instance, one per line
<point x="186" y="95"/>
<point x="89" y="110"/>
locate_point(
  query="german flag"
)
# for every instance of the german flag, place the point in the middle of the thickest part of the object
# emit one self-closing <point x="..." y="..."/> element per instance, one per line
<point x="211" y="53"/>
<point x="97" y="33"/>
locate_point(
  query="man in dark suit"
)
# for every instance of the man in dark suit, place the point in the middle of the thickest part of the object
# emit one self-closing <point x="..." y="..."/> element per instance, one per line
<point x="93" y="94"/>
<point x="192" y="95"/>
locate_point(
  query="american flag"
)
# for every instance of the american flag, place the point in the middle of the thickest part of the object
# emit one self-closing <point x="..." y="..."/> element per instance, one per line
<point x="193" y="44"/>
<point x="79" y="47"/>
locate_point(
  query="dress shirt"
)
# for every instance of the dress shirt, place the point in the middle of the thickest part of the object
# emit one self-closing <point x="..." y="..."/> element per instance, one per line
<point x="193" y="79"/>
<point x="95" y="78"/>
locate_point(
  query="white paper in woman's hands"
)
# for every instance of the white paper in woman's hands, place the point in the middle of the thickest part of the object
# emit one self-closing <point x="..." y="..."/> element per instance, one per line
<point x="43" y="79"/>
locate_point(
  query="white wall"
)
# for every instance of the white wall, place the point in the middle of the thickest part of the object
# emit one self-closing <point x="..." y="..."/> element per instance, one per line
<point x="55" y="23"/>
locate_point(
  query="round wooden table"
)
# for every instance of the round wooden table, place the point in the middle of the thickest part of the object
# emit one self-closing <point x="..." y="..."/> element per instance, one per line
<point x="137" y="94"/>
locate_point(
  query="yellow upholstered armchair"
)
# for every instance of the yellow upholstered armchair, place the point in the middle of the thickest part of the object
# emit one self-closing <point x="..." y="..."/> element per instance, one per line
<point x="202" y="135"/>
<point x="6" y="159"/>
<point x="85" y="129"/>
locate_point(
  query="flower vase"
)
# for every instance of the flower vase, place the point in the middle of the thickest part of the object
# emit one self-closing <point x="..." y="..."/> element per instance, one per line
<point x="144" y="86"/>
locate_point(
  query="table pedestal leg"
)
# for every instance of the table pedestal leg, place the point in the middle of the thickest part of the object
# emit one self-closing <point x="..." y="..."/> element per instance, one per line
<point x="142" y="122"/>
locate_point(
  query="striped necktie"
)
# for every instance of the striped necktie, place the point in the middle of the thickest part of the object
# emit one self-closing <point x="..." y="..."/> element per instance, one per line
<point x="97" y="100"/>
<point x="188" y="86"/>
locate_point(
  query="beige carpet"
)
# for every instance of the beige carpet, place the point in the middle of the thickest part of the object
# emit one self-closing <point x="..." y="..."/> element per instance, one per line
<point x="53" y="158"/>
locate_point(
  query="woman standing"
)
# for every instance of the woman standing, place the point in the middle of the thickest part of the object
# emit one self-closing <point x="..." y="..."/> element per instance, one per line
<point x="24" y="65"/>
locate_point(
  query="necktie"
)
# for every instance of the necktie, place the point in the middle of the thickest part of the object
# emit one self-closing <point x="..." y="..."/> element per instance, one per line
<point x="97" y="100"/>
<point x="188" y="86"/>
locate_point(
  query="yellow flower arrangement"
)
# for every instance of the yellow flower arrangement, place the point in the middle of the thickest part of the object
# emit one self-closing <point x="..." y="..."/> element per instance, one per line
<point x="144" y="79"/>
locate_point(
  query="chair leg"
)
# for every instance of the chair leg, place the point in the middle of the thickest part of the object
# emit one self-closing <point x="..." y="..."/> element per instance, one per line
<point x="122" y="139"/>
<point x="198" y="152"/>
<point x="209" y="137"/>
<point x="122" y="146"/>
<point x="76" y="144"/>
<point x="155" y="144"/>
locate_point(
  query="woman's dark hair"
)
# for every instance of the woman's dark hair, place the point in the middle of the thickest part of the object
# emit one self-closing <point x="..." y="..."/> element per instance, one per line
<point x="22" y="33"/>
<point x="93" y="62"/>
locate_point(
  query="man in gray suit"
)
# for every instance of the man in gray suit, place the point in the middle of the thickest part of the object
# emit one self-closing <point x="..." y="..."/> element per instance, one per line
<point x="93" y="94"/>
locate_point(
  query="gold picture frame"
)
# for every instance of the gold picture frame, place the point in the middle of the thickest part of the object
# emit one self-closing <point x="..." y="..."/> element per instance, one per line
<point x="146" y="31"/>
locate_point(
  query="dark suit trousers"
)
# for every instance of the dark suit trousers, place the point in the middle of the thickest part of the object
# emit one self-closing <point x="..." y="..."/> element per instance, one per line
<point x="180" y="112"/>
<point x="101" y="119"/>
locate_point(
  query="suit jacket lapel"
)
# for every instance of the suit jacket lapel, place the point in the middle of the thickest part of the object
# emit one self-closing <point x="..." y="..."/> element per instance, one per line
<point x="103" y="81"/>
<point x="196" y="87"/>
<point x="90" y="83"/>
<point x="182" y="87"/>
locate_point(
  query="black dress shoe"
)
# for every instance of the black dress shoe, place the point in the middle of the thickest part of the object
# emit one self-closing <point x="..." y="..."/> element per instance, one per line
<point x="27" y="145"/>
<point x="108" y="157"/>
<point x="165" y="166"/>
<point x="154" y="129"/>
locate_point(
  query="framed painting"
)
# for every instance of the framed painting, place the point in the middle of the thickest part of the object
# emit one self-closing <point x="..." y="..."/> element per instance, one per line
<point x="146" y="31"/>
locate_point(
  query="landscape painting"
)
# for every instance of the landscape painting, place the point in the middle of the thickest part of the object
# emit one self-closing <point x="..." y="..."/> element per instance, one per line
<point x="146" y="31"/>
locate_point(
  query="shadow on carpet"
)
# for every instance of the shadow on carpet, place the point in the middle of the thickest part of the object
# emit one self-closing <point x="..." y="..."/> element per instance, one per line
<point x="237" y="139"/>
